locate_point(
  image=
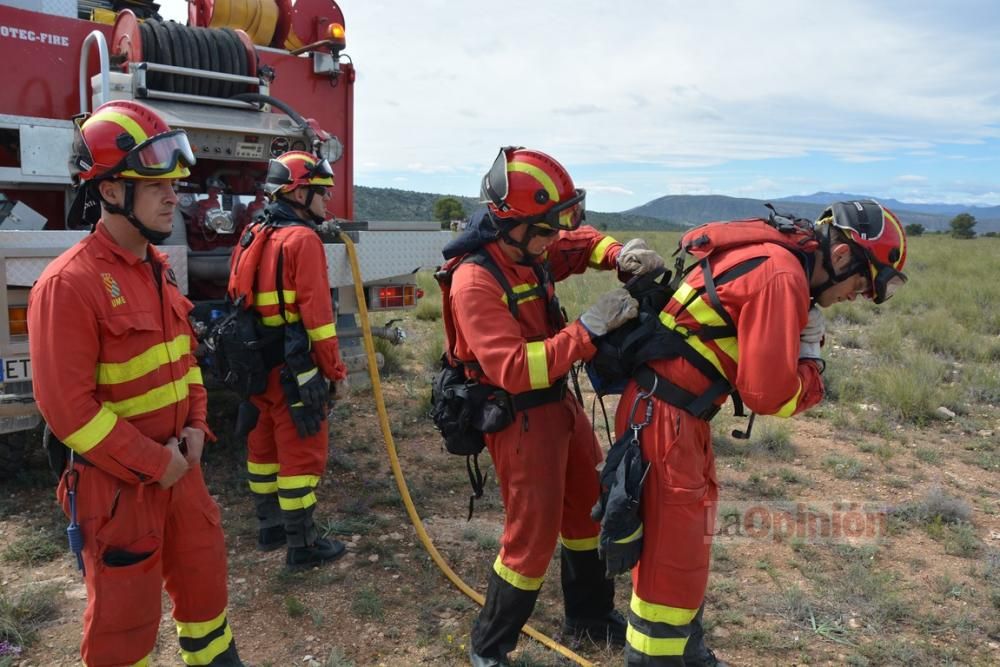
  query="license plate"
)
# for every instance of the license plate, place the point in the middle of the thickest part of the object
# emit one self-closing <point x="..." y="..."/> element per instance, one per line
<point x="15" y="370"/>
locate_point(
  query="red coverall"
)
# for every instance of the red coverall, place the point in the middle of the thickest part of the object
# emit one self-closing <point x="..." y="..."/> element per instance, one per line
<point x="283" y="468"/>
<point x="769" y="306"/>
<point x="115" y="378"/>
<point x="546" y="460"/>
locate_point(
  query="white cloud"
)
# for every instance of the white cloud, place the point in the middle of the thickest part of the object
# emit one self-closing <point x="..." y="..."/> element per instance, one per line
<point x="678" y="84"/>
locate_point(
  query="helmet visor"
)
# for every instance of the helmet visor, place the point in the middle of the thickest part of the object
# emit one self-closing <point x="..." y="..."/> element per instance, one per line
<point x="495" y="186"/>
<point x="885" y="281"/>
<point x="160" y="155"/>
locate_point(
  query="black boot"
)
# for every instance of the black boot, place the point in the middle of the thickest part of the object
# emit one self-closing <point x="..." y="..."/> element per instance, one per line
<point x="271" y="538"/>
<point x="589" y="599"/>
<point x="495" y="632"/>
<point x="270" y="521"/>
<point x="319" y="552"/>
<point x="696" y="654"/>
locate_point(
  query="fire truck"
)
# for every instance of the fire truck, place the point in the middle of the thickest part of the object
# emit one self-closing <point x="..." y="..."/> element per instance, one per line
<point x="248" y="80"/>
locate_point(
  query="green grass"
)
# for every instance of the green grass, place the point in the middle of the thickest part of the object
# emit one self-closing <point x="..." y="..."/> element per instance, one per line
<point x="34" y="549"/>
<point x="368" y="604"/>
<point x="845" y="467"/>
<point x="23" y="615"/>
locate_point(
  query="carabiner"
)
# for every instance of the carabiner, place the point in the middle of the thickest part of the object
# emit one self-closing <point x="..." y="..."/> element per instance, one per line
<point x="642" y="396"/>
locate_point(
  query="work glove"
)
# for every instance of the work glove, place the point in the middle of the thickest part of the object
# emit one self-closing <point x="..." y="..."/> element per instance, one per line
<point x="610" y="311"/>
<point x="308" y="420"/>
<point x="811" y="338"/>
<point x="636" y="258"/>
<point x="618" y="508"/>
<point x="314" y="392"/>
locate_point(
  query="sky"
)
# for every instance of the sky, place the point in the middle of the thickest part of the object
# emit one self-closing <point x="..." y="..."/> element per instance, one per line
<point x="645" y="98"/>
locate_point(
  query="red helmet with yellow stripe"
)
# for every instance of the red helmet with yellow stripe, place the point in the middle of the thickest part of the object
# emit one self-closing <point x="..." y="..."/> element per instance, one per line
<point x="529" y="186"/>
<point x="877" y="236"/>
<point x="296" y="169"/>
<point x="126" y="139"/>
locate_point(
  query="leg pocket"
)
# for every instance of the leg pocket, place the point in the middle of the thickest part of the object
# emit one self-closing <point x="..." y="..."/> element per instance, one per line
<point x="127" y="590"/>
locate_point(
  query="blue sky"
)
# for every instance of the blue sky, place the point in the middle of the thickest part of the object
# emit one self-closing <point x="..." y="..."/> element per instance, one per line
<point x="643" y="98"/>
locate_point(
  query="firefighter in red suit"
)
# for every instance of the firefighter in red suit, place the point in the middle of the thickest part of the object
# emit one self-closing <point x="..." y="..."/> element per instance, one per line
<point x="546" y="458"/>
<point x="283" y="269"/>
<point x="116" y="379"/>
<point x="771" y="357"/>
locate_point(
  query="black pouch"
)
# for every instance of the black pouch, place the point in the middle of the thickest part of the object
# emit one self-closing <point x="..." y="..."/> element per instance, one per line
<point x="450" y="411"/>
<point x="247" y="415"/>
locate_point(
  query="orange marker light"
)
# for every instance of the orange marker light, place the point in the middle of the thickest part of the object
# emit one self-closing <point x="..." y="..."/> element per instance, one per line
<point x="337" y="33"/>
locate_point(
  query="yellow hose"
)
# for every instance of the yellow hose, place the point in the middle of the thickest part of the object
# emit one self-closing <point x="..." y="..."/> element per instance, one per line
<point x="397" y="472"/>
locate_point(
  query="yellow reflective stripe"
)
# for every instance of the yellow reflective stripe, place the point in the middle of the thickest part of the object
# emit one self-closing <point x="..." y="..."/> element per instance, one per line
<point x="298" y="481"/>
<point x="538" y="175"/>
<point x="652" y="646"/>
<point x="703" y="313"/>
<point x="302" y="378"/>
<point x="581" y="544"/>
<point x="517" y="580"/>
<point x="669" y="322"/>
<point x="262" y="468"/>
<point x="278" y="320"/>
<point x="154" y="399"/>
<point x="661" y="613"/>
<point x="145" y="362"/>
<point x="194" y="375"/>
<point x="788" y="409"/>
<point x="208" y="654"/>
<point x="264" y="487"/>
<point x="631" y="538"/>
<point x="597" y="256"/>
<point x="518" y="290"/>
<point x="142" y="663"/>
<point x="322" y="332"/>
<point x="122" y="121"/>
<point x="538" y="365"/>
<point x="200" y="629"/>
<point x="271" y="298"/>
<point x="302" y="503"/>
<point x="90" y="434"/>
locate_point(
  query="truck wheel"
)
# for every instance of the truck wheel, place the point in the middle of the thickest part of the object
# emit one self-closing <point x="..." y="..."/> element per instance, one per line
<point x="20" y="451"/>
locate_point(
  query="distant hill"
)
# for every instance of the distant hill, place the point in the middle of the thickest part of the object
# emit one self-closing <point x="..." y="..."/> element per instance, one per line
<point x="393" y="204"/>
<point x="676" y="211"/>
<point x="696" y="209"/>
<point x="980" y="212"/>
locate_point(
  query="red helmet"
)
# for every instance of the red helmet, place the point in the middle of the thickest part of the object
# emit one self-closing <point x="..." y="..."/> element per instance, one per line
<point x="877" y="234"/>
<point x="527" y="186"/>
<point x="125" y="139"/>
<point x="296" y="169"/>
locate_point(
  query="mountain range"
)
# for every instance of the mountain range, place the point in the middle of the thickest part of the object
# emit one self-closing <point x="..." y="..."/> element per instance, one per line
<point x="679" y="211"/>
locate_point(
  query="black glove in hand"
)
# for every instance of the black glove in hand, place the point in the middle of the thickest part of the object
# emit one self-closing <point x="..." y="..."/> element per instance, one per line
<point x="313" y="389"/>
<point x="620" y="542"/>
<point x="308" y="420"/>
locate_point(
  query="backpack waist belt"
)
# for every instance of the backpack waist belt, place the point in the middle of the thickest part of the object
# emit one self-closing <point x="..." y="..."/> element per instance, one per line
<point x="701" y="406"/>
<point x="536" y="397"/>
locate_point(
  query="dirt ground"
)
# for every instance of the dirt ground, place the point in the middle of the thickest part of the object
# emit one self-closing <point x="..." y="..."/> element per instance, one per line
<point x="910" y="592"/>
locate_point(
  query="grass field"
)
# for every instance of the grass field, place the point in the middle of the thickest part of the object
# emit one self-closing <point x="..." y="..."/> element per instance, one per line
<point x="922" y="587"/>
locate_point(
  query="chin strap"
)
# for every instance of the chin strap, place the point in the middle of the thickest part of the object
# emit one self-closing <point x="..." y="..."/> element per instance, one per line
<point x="527" y="258"/>
<point x="126" y="212"/>
<point x="306" y="206"/>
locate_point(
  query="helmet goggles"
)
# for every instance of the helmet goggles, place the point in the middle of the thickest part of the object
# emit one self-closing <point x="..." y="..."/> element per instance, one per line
<point x="884" y="280"/>
<point x="563" y="215"/>
<point x="159" y="155"/>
